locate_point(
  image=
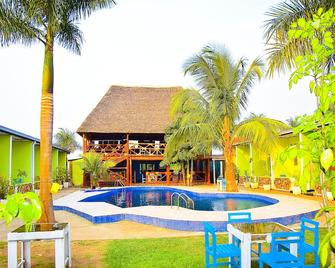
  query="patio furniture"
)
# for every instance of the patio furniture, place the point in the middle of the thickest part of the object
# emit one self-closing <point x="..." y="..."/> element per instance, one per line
<point x="284" y="259"/>
<point x="307" y="226"/>
<point x="60" y="232"/>
<point x="256" y="232"/>
<point x="239" y="217"/>
<point x="216" y="251"/>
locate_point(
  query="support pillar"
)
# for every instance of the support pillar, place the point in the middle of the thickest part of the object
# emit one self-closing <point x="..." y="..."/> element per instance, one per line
<point x="130" y="172"/>
<point x="84" y="143"/>
<point x="168" y="175"/>
<point x="33" y="165"/>
<point x="214" y="175"/>
<point x="10" y="157"/>
<point x="208" y="171"/>
<point x="250" y="159"/>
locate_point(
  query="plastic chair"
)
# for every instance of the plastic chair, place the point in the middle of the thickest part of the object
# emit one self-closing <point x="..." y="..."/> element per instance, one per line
<point x="276" y="257"/>
<point x="308" y="226"/>
<point x="216" y="251"/>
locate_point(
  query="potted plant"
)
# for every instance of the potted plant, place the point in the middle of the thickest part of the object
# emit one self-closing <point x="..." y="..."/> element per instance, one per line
<point x="254" y="183"/>
<point x="20" y="176"/>
<point x="267" y="187"/>
<point x="246" y="182"/>
<point x="296" y="190"/>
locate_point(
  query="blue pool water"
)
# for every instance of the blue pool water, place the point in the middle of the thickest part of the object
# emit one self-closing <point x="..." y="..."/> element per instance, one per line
<point x="161" y="196"/>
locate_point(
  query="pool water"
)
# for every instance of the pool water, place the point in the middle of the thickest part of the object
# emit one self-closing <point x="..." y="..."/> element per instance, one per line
<point x="161" y="196"/>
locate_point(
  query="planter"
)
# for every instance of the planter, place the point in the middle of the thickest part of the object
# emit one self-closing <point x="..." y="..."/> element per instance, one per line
<point x="60" y="186"/>
<point x="37" y="191"/>
<point x="246" y="184"/>
<point x="330" y="196"/>
<point x="254" y="185"/>
<point x="267" y="187"/>
<point x="296" y="190"/>
<point x="66" y="184"/>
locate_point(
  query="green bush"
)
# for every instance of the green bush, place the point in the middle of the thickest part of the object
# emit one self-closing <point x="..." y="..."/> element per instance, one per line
<point x="5" y="188"/>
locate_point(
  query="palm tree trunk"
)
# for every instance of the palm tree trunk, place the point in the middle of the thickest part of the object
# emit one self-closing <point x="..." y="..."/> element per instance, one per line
<point x="188" y="173"/>
<point x="46" y="125"/>
<point x="183" y="172"/>
<point x="229" y="156"/>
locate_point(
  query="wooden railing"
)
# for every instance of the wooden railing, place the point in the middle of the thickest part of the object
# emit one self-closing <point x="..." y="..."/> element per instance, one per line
<point x="119" y="150"/>
<point x="147" y="149"/>
<point x="155" y="177"/>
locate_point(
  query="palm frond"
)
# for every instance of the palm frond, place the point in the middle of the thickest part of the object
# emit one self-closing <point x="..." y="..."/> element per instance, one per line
<point x="261" y="132"/>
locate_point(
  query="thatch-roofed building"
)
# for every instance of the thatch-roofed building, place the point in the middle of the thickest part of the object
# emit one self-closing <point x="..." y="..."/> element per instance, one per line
<point x="127" y="126"/>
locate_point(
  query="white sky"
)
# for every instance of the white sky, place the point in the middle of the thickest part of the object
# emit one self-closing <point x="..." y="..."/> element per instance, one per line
<point x="141" y="42"/>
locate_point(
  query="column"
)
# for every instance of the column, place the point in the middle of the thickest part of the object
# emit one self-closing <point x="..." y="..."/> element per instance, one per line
<point x="250" y="159"/>
<point x="10" y="157"/>
<point x="214" y="175"/>
<point x="167" y="174"/>
<point x="130" y="172"/>
<point x="208" y="171"/>
<point x="33" y="165"/>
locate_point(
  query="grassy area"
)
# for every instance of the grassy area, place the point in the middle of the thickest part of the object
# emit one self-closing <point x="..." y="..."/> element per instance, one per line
<point x="160" y="252"/>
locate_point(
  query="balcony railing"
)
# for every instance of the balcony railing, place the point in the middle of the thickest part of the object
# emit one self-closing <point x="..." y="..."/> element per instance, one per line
<point x="119" y="150"/>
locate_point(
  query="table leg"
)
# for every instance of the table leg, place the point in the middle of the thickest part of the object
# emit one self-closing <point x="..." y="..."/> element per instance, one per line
<point x="68" y="246"/>
<point x="246" y="251"/>
<point x="26" y="254"/>
<point x="230" y="239"/>
<point x="59" y="253"/>
<point x="12" y="254"/>
<point x="294" y="249"/>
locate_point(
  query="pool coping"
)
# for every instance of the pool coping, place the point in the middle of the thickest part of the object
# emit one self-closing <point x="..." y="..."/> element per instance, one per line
<point x="287" y="211"/>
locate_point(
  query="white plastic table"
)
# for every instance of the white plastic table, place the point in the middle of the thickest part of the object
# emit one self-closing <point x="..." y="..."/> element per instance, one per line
<point x="258" y="232"/>
<point x="60" y="232"/>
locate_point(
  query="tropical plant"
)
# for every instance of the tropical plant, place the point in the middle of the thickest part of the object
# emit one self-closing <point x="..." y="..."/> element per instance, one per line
<point x="319" y="128"/>
<point x="293" y="121"/>
<point x="5" y="188"/>
<point x="66" y="139"/>
<point x="49" y="22"/>
<point x="213" y="113"/>
<point x="62" y="175"/>
<point x="96" y="167"/>
<point x="25" y="206"/>
<point x="282" y="50"/>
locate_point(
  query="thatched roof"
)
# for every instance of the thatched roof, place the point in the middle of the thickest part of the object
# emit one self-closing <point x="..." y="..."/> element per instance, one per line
<point x="131" y="110"/>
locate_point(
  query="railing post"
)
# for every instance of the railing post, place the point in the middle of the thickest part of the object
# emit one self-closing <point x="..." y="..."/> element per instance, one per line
<point x="167" y="174"/>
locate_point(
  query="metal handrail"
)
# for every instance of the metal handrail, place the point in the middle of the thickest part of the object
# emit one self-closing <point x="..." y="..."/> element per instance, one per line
<point x="188" y="201"/>
<point x="119" y="181"/>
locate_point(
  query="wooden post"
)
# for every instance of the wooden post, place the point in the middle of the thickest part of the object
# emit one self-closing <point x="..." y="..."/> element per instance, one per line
<point x="130" y="172"/>
<point x="168" y="175"/>
<point x="208" y="171"/>
<point x="84" y="143"/>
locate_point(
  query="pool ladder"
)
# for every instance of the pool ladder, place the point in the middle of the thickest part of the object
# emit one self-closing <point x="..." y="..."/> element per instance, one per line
<point x="188" y="201"/>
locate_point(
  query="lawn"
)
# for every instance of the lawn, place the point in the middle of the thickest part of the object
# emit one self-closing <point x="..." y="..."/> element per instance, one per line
<point x="160" y="252"/>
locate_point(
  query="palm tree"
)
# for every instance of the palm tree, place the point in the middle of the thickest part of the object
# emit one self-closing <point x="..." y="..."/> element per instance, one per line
<point x="281" y="51"/>
<point x="224" y="87"/>
<point x="66" y="138"/>
<point x="293" y="121"/>
<point x="49" y="22"/>
<point x="95" y="166"/>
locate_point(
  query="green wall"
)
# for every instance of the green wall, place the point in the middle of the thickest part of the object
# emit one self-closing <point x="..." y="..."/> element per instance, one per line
<point x="77" y="174"/>
<point x="37" y="162"/>
<point x="54" y="162"/>
<point x="4" y="156"/>
<point x="22" y="158"/>
<point x="62" y="159"/>
<point x="243" y="159"/>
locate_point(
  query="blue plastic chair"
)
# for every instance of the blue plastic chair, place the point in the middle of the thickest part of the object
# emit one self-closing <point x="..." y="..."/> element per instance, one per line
<point x="280" y="259"/>
<point x="308" y="226"/>
<point x="216" y="251"/>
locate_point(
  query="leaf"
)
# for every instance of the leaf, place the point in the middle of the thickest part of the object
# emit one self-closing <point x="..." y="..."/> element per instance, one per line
<point x="302" y="22"/>
<point x="326" y="158"/>
<point x="320" y="10"/>
<point x="324" y="254"/>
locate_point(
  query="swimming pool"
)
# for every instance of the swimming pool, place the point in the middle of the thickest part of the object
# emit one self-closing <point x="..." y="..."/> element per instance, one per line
<point x="161" y="196"/>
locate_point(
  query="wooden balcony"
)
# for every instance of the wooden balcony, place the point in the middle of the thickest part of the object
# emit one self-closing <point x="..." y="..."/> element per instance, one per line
<point x="111" y="151"/>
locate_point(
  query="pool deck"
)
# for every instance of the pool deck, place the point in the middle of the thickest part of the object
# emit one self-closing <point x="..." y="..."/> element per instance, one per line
<point x="288" y="210"/>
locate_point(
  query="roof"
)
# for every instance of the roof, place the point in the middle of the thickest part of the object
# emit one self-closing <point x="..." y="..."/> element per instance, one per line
<point x="131" y="110"/>
<point x="25" y="136"/>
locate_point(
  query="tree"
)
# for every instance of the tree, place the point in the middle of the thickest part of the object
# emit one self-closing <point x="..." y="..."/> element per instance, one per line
<point x="217" y="106"/>
<point x="282" y="50"/>
<point x="66" y="138"/>
<point x="318" y="128"/>
<point x="293" y="121"/>
<point x="49" y="22"/>
<point x="95" y="166"/>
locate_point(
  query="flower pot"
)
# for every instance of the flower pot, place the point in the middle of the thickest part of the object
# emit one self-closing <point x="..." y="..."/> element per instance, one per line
<point x="296" y="190"/>
<point x="254" y="185"/>
<point x="66" y="184"/>
<point x="246" y="184"/>
<point x="267" y="187"/>
<point x="60" y="186"/>
<point x="330" y="196"/>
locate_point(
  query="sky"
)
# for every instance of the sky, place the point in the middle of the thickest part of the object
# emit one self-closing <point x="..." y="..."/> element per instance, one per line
<point x="141" y="43"/>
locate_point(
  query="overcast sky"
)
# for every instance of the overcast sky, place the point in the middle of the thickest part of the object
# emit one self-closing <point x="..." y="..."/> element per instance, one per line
<point x="141" y="42"/>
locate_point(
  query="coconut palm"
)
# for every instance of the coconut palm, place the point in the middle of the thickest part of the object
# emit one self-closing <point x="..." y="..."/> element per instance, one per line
<point x="95" y="166"/>
<point x="49" y="22"/>
<point x="224" y="87"/>
<point x="66" y="138"/>
<point x="293" y="121"/>
<point x="281" y="51"/>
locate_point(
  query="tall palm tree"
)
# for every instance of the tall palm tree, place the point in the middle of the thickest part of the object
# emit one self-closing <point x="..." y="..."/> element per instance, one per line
<point x="49" y="22"/>
<point x="293" y="121"/>
<point x="224" y="87"/>
<point x="66" y="138"/>
<point x="281" y="51"/>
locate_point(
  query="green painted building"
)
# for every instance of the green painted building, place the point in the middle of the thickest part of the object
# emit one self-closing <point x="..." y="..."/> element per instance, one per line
<point x="20" y="154"/>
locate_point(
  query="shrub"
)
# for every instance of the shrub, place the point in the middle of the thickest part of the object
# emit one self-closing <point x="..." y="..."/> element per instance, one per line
<point x="5" y="188"/>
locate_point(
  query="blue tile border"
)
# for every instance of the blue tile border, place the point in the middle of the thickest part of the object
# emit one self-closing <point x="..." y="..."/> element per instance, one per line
<point x="181" y="225"/>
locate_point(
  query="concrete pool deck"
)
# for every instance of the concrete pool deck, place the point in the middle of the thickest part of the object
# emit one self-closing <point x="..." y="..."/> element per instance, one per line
<point x="288" y="210"/>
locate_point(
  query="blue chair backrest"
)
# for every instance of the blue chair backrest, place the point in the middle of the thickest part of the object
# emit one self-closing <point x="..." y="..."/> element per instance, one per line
<point x="285" y="238"/>
<point x="239" y="217"/>
<point x="210" y="231"/>
<point x="308" y="225"/>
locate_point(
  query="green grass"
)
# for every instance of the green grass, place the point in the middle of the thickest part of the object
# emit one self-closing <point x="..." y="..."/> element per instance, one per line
<point x="164" y="252"/>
